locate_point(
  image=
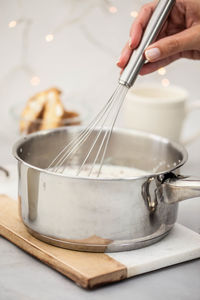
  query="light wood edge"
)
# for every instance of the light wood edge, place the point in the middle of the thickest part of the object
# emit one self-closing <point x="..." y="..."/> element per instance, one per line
<point x="52" y="261"/>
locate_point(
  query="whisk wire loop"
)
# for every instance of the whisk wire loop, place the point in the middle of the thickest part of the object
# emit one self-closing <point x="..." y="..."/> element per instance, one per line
<point x="103" y="135"/>
<point x="124" y="92"/>
<point x="82" y="136"/>
<point x="108" y="112"/>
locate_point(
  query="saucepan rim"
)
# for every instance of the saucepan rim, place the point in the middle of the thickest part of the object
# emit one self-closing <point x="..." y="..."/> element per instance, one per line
<point x="176" y="145"/>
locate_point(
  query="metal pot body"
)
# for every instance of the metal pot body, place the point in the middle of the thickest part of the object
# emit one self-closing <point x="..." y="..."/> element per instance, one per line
<point x="100" y="215"/>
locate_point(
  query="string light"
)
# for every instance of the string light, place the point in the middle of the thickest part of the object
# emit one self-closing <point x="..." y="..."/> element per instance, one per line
<point x="162" y="71"/>
<point x="134" y="14"/>
<point x="112" y="9"/>
<point x="68" y="21"/>
<point x="23" y="64"/>
<point x="35" y="80"/>
<point x="49" y="37"/>
<point x="12" y="24"/>
<point x="165" y="82"/>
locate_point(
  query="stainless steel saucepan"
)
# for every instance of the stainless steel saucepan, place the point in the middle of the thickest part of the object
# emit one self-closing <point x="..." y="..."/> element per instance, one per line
<point x="102" y="215"/>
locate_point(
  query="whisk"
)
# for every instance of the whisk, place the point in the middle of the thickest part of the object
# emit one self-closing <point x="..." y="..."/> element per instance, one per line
<point x="101" y="127"/>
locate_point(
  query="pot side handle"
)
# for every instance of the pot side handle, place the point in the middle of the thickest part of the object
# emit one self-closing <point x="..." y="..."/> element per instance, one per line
<point x="180" y="188"/>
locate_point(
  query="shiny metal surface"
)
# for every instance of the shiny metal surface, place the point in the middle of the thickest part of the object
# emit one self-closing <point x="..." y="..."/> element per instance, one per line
<point x="180" y="188"/>
<point x="154" y="26"/>
<point x="100" y="215"/>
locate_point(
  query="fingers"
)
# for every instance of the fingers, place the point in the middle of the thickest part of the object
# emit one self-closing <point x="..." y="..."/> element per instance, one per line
<point x="140" y="24"/>
<point x="124" y="58"/>
<point x="186" y="40"/>
<point x="136" y="33"/>
<point x="152" y="67"/>
<point x="191" y="54"/>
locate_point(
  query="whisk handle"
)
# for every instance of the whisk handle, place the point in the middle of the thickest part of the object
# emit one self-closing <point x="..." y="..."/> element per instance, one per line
<point x="153" y="28"/>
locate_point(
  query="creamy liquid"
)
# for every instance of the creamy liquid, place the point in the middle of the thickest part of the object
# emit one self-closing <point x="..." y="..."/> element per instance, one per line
<point x="107" y="171"/>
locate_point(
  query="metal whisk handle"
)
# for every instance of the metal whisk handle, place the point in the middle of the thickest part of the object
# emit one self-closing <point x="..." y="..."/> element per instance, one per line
<point x="153" y="28"/>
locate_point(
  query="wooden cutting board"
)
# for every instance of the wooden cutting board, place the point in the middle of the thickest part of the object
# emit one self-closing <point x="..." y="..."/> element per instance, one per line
<point x="94" y="269"/>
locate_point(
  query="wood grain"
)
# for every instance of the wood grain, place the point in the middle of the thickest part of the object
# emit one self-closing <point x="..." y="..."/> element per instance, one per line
<point x="86" y="269"/>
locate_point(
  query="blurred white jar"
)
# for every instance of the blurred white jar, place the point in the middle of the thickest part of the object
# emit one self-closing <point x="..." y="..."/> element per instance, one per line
<point x="156" y="109"/>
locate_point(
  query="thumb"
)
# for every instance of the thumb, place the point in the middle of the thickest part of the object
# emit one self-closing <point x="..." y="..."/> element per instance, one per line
<point x="188" y="39"/>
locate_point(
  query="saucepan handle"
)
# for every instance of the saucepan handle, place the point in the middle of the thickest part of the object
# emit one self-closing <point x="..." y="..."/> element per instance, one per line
<point x="180" y="188"/>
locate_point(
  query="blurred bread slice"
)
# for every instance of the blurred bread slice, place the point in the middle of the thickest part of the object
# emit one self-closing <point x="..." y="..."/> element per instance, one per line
<point x="53" y="110"/>
<point x="70" y="118"/>
<point x="32" y="112"/>
<point x="46" y="111"/>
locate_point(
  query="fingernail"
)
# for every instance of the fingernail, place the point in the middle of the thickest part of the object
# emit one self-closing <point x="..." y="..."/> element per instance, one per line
<point x="152" y="54"/>
<point x="130" y="43"/>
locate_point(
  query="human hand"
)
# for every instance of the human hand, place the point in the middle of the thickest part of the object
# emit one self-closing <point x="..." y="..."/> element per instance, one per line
<point x="179" y="37"/>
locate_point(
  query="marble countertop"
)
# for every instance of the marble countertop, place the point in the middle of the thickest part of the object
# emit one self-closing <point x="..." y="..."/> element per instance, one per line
<point x="25" y="278"/>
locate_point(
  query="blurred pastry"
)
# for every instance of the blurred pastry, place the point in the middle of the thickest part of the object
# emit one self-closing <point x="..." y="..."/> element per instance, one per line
<point x="45" y="110"/>
<point x="32" y="112"/>
<point x="53" y="110"/>
<point x="70" y="118"/>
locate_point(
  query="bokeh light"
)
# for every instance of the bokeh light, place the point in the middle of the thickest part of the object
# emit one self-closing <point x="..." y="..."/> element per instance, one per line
<point x="112" y="9"/>
<point x="49" y="37"/>
<point x="134" y="14"/>
<point x="165" y="82"/>
<point x="12" y="24"/>
<point x="35" y="80"/>
<point x="162" y="71"/>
